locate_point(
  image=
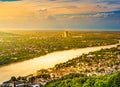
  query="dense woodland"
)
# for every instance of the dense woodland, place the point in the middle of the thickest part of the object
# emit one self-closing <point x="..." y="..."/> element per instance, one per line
<point x="18" y="46"/>
<point x="81" y="80"/>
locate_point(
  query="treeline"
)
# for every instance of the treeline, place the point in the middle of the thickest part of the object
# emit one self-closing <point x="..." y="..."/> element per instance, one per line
<point x="81" y="80"/>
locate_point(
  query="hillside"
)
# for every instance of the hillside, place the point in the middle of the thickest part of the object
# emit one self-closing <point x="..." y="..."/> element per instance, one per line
<point x="81" y="80"/>
<point x="96" y="69"/>
<point x="88" y="70"/>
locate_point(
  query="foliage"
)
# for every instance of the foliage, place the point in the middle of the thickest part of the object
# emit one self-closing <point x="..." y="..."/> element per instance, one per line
<point x="13" y="78"/>
<point x="112" y="80"/>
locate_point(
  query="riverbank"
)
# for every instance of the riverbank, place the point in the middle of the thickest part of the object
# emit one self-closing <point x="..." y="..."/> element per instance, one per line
<point x="47" y="61"/>
<point x="21" y="46"/>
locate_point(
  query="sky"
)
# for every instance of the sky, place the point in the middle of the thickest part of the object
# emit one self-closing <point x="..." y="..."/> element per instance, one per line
<point x="60" y="14"/>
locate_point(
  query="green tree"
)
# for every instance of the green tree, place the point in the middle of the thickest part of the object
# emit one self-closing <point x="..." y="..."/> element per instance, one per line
<point x="13" y="78"/>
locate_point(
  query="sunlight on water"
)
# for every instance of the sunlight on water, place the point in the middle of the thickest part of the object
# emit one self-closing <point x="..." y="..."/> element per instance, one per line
<point x="47" y="61"/>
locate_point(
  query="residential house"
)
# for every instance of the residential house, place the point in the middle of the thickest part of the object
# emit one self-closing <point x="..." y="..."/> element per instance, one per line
<point x="19" y="84"/>
<point x="8" y="83"/>
<point x="36" y="85"/>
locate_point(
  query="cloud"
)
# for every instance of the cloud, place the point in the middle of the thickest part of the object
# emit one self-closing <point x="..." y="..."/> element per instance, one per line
<point x="52" y="0"/>
<point x="9" y="0"/>
<point x="110" y="1"/>
<point x="60" y="13"/>
<point x="103" y="16"/>
<point x="70" y="0"/>
<point x="43" y="10"/>
<point x="51" y="17"/>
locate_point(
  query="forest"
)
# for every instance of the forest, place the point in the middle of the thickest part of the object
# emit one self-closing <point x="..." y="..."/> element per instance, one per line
<point x="81" y="80"/>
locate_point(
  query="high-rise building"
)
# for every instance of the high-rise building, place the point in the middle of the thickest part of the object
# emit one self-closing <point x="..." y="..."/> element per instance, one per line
<point x="65" y="34"/>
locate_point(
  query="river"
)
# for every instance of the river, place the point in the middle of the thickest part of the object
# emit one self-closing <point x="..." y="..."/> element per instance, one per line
<point x="47" y="61"/>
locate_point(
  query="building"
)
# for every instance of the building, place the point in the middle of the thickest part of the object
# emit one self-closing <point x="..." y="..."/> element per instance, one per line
<point x="118" y="47"/>
<point x="13" y="84"/>
<point x="19" y="84"/>
<point x="119" y="56"/>
<point x="65" y="34"/>
<point x="8" y="84"/>
<point x="36" y="85"/>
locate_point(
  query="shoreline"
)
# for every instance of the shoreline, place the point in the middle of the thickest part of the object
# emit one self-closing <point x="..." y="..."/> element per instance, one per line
<point x="50" y="53"/>
<point x="46" y="61"/>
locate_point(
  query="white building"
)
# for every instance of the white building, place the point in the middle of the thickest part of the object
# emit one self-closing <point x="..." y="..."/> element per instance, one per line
<point x="35" y="85"/>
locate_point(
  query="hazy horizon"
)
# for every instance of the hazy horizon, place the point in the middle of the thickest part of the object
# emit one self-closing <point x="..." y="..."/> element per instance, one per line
<point x="100" y="15"/>
<point x="60" y="29"/>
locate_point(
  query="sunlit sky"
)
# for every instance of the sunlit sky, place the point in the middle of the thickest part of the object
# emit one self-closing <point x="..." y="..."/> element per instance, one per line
<point x="60" y="14"/>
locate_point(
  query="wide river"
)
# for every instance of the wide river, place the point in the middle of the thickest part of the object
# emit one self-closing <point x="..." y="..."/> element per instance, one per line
<point x="47" y="61"/>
